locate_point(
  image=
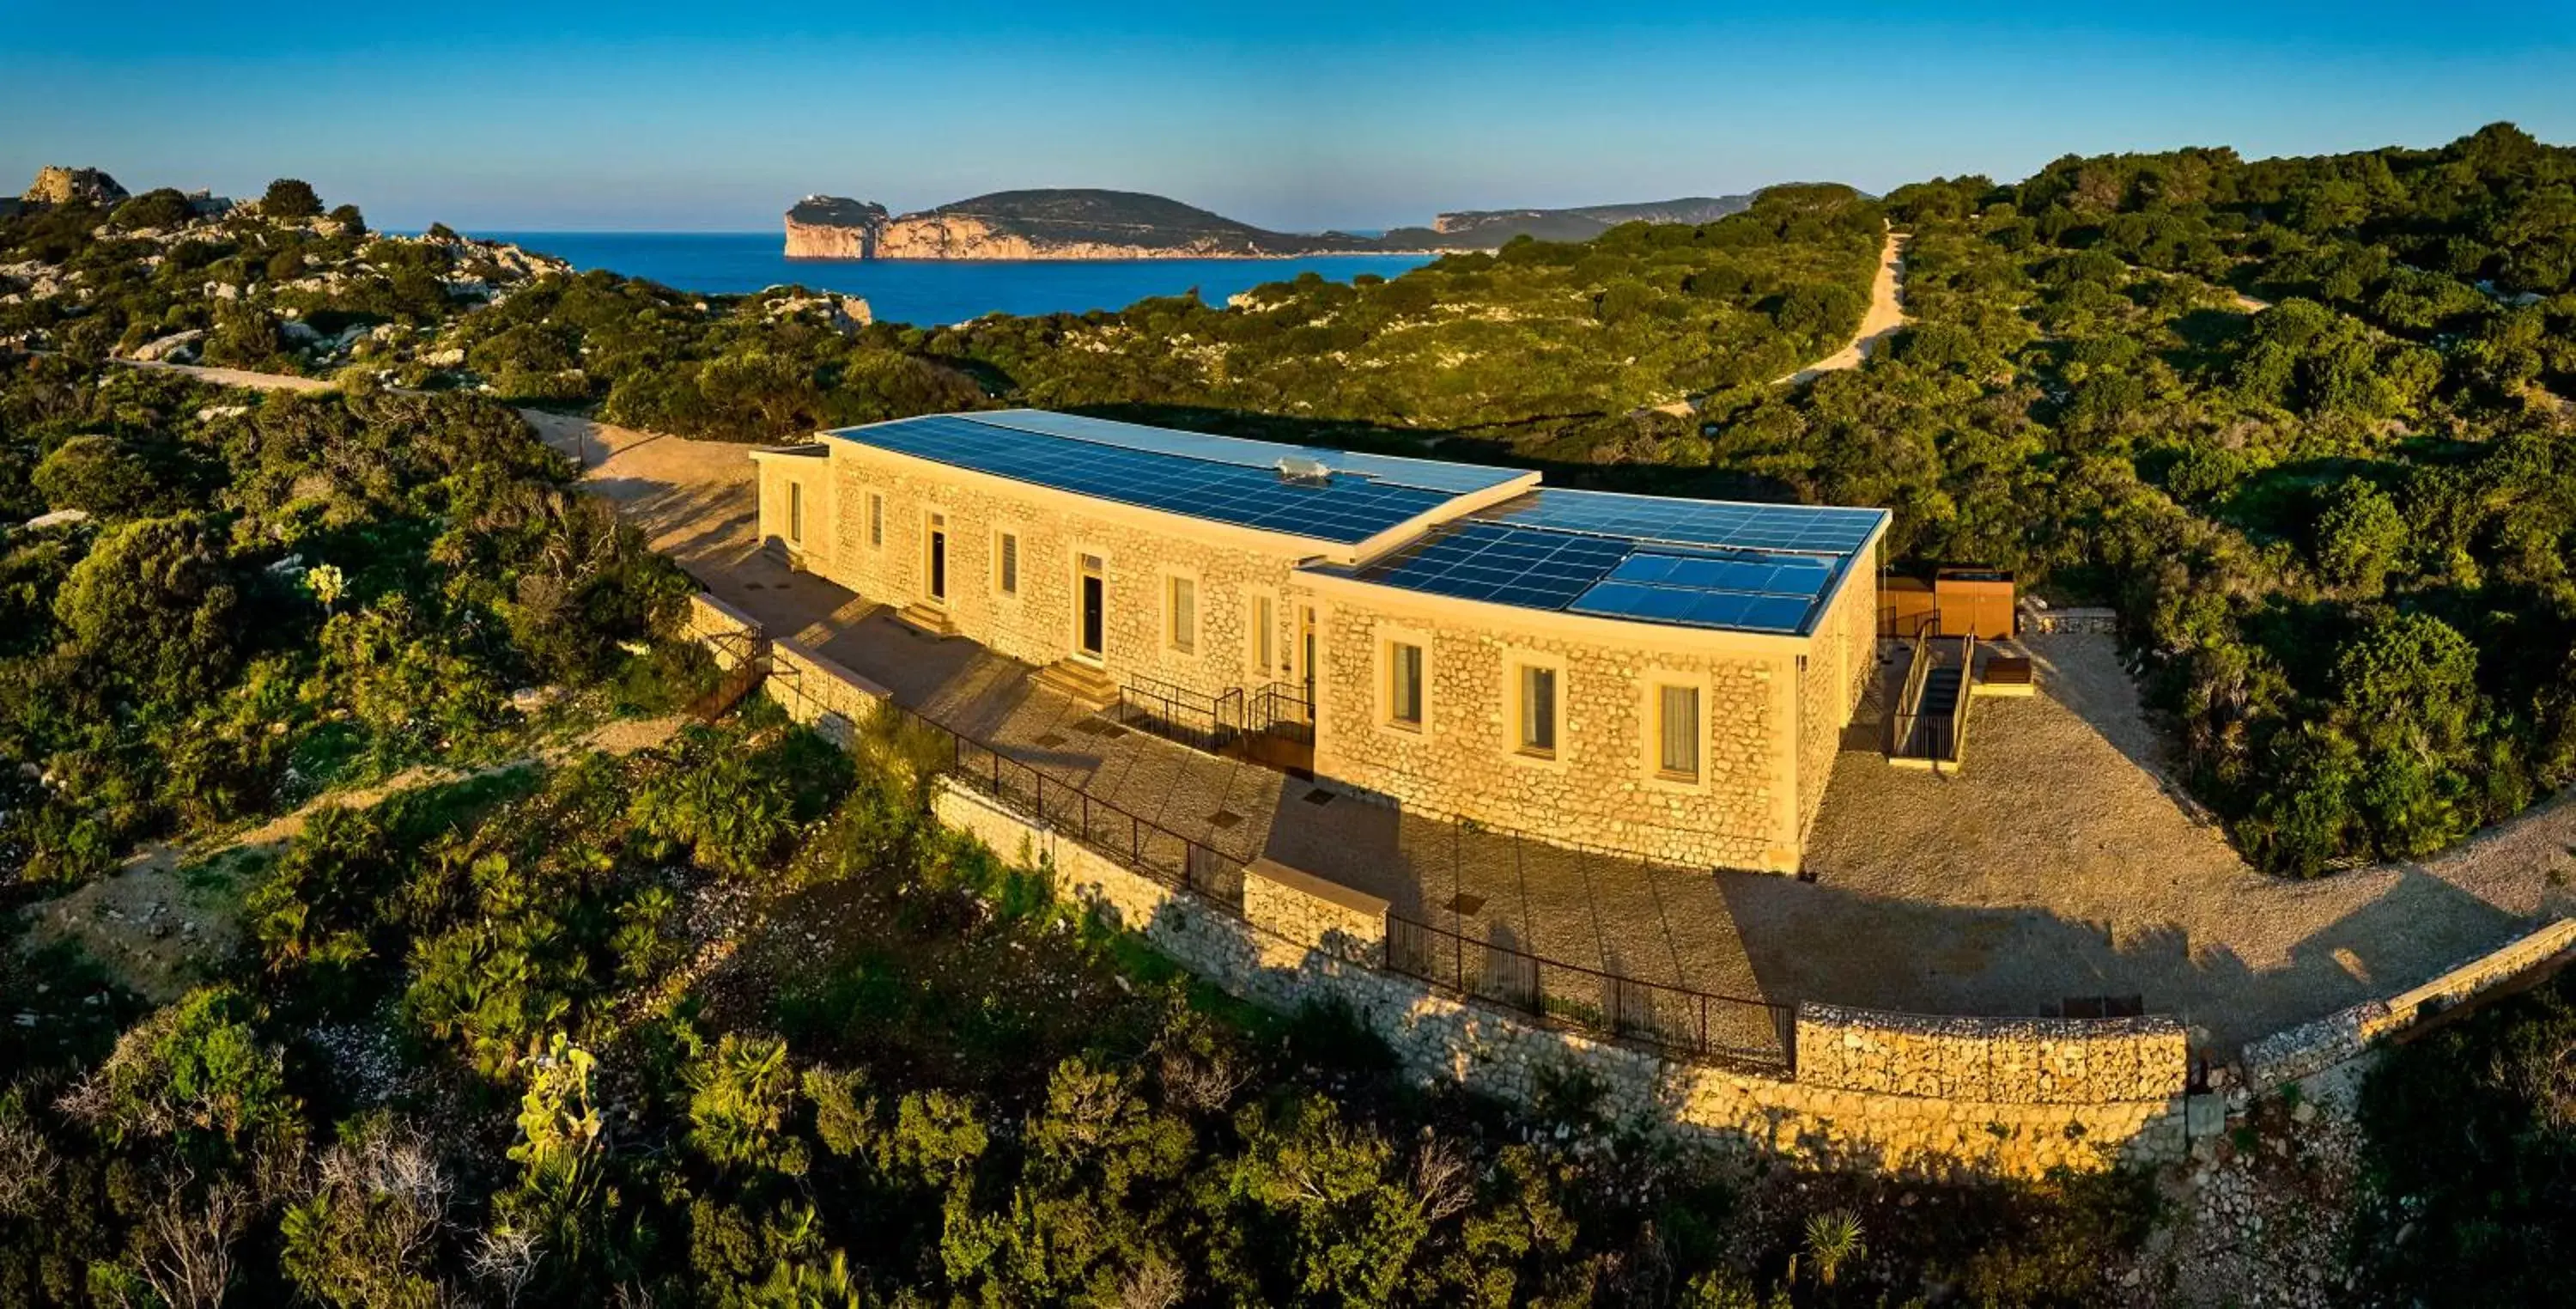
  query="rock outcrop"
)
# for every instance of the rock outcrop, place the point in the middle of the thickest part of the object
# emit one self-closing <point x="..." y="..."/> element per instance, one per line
<point x="56" y="185"/>
<point x="1046" y="224"/>
<point x="834" y="227"/>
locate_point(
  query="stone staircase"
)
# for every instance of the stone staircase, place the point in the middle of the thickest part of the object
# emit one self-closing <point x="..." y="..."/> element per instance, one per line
<point x="923" y="616"/>
<point x="1079" y="682"/>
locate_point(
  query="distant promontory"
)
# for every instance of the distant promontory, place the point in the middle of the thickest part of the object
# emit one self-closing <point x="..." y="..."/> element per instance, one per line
<point x="1082" y="223"/>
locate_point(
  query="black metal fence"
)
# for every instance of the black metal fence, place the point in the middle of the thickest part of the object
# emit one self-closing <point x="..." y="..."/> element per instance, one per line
<point x="1754" y="1034"/>
<point x="1104" y="827"/>
<point x="1215" y="723"/>
<point x="1138" y="842"/>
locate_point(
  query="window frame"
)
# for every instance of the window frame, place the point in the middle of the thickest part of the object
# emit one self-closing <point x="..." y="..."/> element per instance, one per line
<point x="1006" y="562"/>
<point x="876" y="520"/>
<point x="1261" y="640"/>
<point x="795" y="512"/>
<point x="1653" y="683"/>
<point x="1518" y="665"/>
<point x="1382" y="682"/>
<point x="1175" y="640"/>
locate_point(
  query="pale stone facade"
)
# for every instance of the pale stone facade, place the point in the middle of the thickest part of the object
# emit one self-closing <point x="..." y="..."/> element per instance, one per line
<point x="1212" y="608"/>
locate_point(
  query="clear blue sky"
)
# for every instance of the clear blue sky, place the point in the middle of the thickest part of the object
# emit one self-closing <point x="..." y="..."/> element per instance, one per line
<point x="716" y="115"/>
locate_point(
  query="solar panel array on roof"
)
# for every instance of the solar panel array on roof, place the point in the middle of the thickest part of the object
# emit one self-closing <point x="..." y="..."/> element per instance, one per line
<point x="1752" y="591"/>
<point x="1603" y="577"/>
<point x="1424" y="474"/>
<point x="1806" y="528"/>
<point x="1344" y="508"/>
<point x="1506" y="565"/>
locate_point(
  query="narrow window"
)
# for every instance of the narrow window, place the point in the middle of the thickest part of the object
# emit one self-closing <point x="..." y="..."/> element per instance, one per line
<point x="1183" y="609"/>
<point x="1677" y="750"/>
<point x="876" y="520"/>
<point x="1538" y="711"/>
<point x="796" y="512"/>
<point x="1404" y="684"/>
<point x="1007" y="564"/>
<point x="1264" y="640"/>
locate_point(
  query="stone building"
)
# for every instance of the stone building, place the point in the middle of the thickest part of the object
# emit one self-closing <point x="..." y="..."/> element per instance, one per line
<point x="1657" y="676"/>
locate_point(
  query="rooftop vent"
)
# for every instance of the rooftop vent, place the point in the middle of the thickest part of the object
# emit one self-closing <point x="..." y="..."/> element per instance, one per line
<point x="1304" y="471"/>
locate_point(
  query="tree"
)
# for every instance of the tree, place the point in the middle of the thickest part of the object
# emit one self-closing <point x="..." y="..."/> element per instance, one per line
<point x="289" y="198"/>
<point x="99" y="475"/>
<point x="2358" y="535"/>
<point x="153" y="606"/>
<point x="350" y="220"/>
<point x="163" y="207"/>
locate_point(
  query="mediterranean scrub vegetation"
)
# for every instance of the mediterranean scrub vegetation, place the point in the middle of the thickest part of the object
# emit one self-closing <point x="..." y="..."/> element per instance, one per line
<point x="1535" y="335"/>
<point x="731" y="1022"/>
<point x="2301" y="421"/>
<point x="241" y="601"/>
<point x="2471" y="1195"/>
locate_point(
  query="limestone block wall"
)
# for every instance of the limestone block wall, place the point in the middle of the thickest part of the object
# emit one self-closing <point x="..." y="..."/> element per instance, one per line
<point x="1601" y="788"/>
<point x="2310" y="1048"/>
<point x="728" y="633"/>
<point x="804" y="533"/>
<point x="1035" y="623"/>
<point x="1301" y="940"/>
<point x="1832" y="677"/>
<point x="2072" y="619"/>
<point x="1993" y="1060"/>
<point x="819" y="692"/>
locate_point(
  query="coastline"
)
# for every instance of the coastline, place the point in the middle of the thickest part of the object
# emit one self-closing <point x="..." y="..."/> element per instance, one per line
<point x="1129" y="258"/>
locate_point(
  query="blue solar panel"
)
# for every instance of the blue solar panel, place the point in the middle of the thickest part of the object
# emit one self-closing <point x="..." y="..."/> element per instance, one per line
<point x="1421" y="474"/>
<point x="1570" y="572"/>
<point x="1809" y="529"/>
<point x="1485" y="561"/>
<point x="1345" y="508"/>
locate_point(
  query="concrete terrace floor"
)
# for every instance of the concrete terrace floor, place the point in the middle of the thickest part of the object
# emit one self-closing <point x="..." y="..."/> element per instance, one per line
<point x="2055" y="865"/>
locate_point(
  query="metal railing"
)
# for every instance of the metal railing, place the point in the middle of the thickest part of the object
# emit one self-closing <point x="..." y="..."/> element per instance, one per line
<point x="1909" y="699"/>
<point x="1104" y="827"/>
<point x="1955" y="739"/>
<point x="1213" y="723"/>
<point x="1754" y="1034"/>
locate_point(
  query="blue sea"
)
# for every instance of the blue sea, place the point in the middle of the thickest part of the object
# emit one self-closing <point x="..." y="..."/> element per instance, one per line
<point x="930" y="292"/>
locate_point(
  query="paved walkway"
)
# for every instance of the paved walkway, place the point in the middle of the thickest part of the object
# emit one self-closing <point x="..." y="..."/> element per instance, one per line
<point x="2059" y="864"/>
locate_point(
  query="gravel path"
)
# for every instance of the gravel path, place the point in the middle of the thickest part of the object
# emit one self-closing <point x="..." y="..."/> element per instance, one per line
<point x="1883" y="319"/>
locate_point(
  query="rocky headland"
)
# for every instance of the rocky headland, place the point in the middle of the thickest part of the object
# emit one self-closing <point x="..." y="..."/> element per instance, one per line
<point x="1097" y="224"/>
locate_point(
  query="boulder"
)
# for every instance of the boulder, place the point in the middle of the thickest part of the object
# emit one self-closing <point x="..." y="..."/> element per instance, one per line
<point x="170" y="347"/>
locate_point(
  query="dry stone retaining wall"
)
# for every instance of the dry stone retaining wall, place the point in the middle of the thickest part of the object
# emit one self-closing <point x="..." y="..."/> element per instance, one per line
<point x="728" y="633"/>
<point x="1301" y="940"/>
<point x="1997" y="1060"/>
<point x="2311" y="1048"/>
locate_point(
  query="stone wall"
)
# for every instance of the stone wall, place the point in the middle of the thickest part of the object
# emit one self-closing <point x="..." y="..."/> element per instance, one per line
<point x="1832" y="678"/>
<point x="1300" y="940"/>
<point x="1035" y="623"/>
<point x="1600" y="788"/>
<point x="2311" y="1048"/>
<point x="1891" y="1092"/>
<point x="1993" y="1060"/>
<point x="2036" y="620"/>
<point x="728" y="633"/>
<point x="819" y="692"/>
